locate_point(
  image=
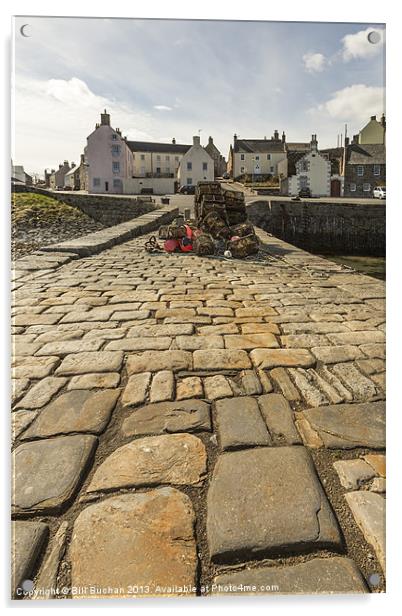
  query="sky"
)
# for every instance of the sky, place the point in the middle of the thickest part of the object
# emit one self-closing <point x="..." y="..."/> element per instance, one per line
<point x="161" y="79"/>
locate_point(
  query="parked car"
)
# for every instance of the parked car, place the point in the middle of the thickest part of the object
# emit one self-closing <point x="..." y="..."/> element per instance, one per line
<point x="226" y="176"/>
<point x="67" y="188"/>
<point x="188" y="189"/>
<point x="379" y="192"/>
<point x="304" y="192"/>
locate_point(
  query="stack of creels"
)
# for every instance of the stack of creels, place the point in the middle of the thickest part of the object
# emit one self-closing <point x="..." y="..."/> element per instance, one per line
<point x="235" y="207"/>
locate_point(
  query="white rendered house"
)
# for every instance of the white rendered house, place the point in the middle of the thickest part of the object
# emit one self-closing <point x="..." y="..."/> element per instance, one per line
<point x="312" y="171"/>
<point x="196" y="165"/>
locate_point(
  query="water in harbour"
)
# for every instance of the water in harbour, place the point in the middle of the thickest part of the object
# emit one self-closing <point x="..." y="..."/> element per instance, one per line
<point x="370" y="266"/>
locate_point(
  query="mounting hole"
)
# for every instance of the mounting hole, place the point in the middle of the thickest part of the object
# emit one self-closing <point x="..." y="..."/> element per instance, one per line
<point x="374" y="579"/>
<point x="374" y="37"/>
<point x="27" y="585"/>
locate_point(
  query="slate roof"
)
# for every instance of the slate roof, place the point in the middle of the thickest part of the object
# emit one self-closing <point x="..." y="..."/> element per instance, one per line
<point x="367" y="154"/>
<point x="251" y="146"/>
<point x="298" y="147"/>
<point x="293" y="157"/>
<point x="149" y="146"/>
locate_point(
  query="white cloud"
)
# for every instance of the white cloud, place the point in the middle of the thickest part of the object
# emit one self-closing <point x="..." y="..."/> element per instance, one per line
<point x="314" y="62"/>
<point x="355" y="103"/>
<point x="73" y="92"/>
<point x="358" y="45"/>
<point x="162" y="108"/>
<point x="54" y="117"/>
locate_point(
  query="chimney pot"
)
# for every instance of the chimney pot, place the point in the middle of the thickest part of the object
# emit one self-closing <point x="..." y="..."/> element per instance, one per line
<point x="174" y="141"/>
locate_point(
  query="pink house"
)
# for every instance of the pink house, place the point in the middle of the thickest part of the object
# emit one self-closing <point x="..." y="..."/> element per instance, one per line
<point x="110" y="160"/>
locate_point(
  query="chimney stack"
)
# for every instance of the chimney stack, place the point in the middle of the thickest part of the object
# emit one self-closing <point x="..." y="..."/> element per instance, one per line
<point x="72" y="165"/>
<point x="383" y="120"/>
<point x="196" y="140"/>
<point x="174" y="141"/>
<point x="105" y="118"/>
<point x="283" y="137"/>
<point x="210" y="141"/>
<point x="276" y="135"/>
<point x="235" y="138"/>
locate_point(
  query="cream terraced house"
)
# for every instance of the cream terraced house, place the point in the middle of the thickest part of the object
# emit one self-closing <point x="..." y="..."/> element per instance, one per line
<point x="256" y="156"/>
<point x="152" y="159"/>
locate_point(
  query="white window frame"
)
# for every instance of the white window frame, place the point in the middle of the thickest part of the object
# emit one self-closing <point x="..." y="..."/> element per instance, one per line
<point x="116" y="166"/>
<point x="360" y="170"/>
<point x="365" y="185"/>
<point x="189" y="181"/>
<point x="241" y="156"/>
<point x="376" y="170"/>
<point x="352" y="187"/>
<point x="189" y="165"/>
<point x="114" y="137"/>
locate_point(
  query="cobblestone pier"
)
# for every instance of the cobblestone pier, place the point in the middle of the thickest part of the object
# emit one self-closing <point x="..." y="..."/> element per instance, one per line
<point x="185" y="426"/>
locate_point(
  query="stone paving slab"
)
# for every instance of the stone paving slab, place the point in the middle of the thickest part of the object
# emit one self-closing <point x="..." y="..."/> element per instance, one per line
<point x="369" y="512"/>
<point x="177" y="459"/>
<point x="249" y="492"/>
<point x="267" y="358"/>
<point x="167" y="417"/>
<point x="151" y="533"/>
<point x="97" y="361"/>
<point x="27" y="540"/>
<point x="47" y="473"/>
<point x="74" y="412"/>
<point x="239" y="424"/>
<point x="328" y="576"/>
<point x="345" y="426"/>
<point x="278" y="415"/>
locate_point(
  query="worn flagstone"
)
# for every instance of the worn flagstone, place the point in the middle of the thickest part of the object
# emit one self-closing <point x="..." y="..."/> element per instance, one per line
<point x="27" y="540"/>
<point x="97" y="361"/>
<point x="41" y="392"/>
<point x="151" y="533"/>
<point x="345" y="426"/>
<point x="369" y="512"/>
<point x="75" y="411"/>
<point x="47" y="473"/>
<point x="335" y="575"/>
<point x="178" y="459"/>
<point x="239" y="424"/>
<point x="167" y="417"/>
<point x="249" y="492"/>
